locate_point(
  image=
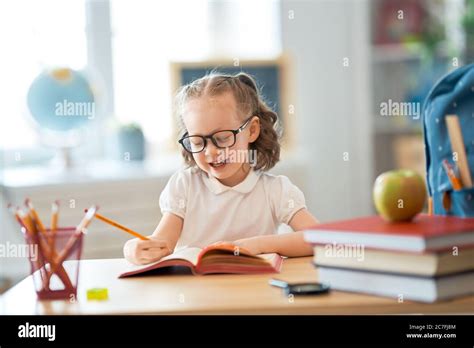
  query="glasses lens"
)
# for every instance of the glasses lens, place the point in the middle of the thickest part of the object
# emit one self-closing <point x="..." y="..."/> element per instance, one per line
<point x="193" y="143"/>
<point x="224" y="139"/>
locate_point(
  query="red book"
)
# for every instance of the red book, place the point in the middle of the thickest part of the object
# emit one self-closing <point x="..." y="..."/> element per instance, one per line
<point x="213" y="259"/>
<point x="424" y="233"/>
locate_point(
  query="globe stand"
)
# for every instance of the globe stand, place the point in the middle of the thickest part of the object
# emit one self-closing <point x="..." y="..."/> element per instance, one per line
<point x="63" y="144"/>
<point x="65" y="158"/>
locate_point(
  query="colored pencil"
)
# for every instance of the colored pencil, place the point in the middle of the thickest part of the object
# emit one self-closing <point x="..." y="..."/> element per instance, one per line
<point x="119" y="226"/>
<point x="458" y="147"/>
<point x="455" y="183"/>
<point x="54" y="225"/>
<point x="80" y="229"/>
<point x="28" y="228"/>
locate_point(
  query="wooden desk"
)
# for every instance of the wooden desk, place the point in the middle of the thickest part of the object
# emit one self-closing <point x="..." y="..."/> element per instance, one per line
<point x="211" y="294"/>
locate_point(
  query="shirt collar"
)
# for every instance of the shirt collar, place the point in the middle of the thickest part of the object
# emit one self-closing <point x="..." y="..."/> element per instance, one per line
<point x="216" y="187"/>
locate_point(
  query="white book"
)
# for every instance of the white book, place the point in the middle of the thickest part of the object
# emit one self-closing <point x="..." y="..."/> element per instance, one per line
<point x="428" y="264"/>
<point x="424" y="289"/>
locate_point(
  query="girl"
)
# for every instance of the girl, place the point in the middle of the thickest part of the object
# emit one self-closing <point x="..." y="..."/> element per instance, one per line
<point x="225" y="195"/>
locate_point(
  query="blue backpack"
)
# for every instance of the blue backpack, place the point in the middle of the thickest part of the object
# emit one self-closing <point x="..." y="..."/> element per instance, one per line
<point x="452" y="95"/>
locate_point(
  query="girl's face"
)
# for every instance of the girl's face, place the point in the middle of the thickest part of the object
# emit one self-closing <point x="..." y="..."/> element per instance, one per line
<point x="206" y="115"/>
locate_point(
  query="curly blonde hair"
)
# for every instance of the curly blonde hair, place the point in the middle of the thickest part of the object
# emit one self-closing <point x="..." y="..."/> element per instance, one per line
<point x="249" y="103"/>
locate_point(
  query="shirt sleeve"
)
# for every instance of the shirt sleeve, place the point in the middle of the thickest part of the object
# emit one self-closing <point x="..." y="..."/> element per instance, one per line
<point x="287" y="199"/>
<point x="173" y="198"/>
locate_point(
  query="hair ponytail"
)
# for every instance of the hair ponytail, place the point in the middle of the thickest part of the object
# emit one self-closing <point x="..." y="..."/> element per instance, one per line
<point x="247" y="80"/>
<point x="267" y="144"/>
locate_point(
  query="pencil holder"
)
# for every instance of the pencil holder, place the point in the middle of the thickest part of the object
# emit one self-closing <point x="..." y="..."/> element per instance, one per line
<point x="54" y="259"/>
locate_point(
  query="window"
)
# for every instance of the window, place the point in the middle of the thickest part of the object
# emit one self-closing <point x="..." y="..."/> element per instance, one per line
<point x="35" y="35"/>
<point x="146" y="36"/>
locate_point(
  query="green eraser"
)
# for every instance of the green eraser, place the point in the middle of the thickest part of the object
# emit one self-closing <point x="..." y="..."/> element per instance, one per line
<point x="98" y="294"/>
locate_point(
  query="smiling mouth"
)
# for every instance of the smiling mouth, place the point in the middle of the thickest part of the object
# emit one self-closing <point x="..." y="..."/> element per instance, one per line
<point x="217" y="164"/>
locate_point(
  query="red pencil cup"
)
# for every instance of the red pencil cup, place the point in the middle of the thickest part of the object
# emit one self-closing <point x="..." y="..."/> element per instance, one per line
<point x="55" y="280"/>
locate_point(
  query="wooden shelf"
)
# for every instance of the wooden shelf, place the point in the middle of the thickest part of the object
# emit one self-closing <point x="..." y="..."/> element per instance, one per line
<point x="390" y="126"/>
<point x="398" y="130"/>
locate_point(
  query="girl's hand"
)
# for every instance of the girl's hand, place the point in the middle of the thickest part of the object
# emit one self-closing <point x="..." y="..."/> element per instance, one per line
<point x="252" y="244"/>
<point x="141" y="252"/>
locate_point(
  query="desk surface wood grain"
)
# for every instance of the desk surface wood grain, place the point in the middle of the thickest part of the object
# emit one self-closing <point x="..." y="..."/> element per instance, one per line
<point x="210" y="294"/>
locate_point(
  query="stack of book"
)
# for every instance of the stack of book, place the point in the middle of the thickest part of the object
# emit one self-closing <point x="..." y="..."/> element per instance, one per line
<point x="428" y="259"/>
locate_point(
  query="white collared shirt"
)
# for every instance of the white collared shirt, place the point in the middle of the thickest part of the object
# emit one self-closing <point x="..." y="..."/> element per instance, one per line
<point x="214" y="212"/>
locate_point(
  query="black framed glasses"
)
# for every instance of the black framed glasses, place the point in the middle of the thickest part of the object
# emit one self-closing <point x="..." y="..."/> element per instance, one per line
<point x="221" y="139"/>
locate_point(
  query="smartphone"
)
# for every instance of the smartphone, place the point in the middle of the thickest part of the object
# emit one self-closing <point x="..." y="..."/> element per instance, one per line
<point x="300" y="288"/>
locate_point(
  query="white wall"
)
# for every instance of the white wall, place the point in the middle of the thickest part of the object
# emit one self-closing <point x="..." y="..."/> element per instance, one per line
<point x="332" y="102"/>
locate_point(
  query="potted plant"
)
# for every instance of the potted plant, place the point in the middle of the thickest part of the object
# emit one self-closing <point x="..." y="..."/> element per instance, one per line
<point x="131" y="142"/>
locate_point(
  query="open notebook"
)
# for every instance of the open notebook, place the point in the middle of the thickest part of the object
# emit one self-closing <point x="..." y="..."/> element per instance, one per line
<point x="213" y="259"/>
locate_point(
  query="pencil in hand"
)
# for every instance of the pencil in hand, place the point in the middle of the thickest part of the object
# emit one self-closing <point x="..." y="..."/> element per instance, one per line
<point x="119" y="226"/>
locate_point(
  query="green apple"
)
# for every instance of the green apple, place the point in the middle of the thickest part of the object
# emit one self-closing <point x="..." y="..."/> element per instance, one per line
<point x="399" y="195"/>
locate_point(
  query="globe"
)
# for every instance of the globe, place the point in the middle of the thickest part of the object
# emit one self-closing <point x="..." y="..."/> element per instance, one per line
<point x="61" y="99"/>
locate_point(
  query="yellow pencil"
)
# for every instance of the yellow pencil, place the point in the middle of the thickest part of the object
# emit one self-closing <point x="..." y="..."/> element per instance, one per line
<point x="54" y="226"/>
<point x="34" y="215"/>
<point x="30" y="229"/>
<point x="458" y="147"/>
<point x="119" y="226"/>
<point x="54" y="216"/>
<point x="455" y="183"/>
<point x="80" y="229"/>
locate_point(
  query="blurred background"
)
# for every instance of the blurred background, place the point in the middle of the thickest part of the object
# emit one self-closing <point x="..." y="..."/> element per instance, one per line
<point x="347" y="78"/>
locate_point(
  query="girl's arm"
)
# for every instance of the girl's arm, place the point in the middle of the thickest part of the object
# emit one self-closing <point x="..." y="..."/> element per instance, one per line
<point x="287" y="244"/>
<point x="169" y="229"/>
